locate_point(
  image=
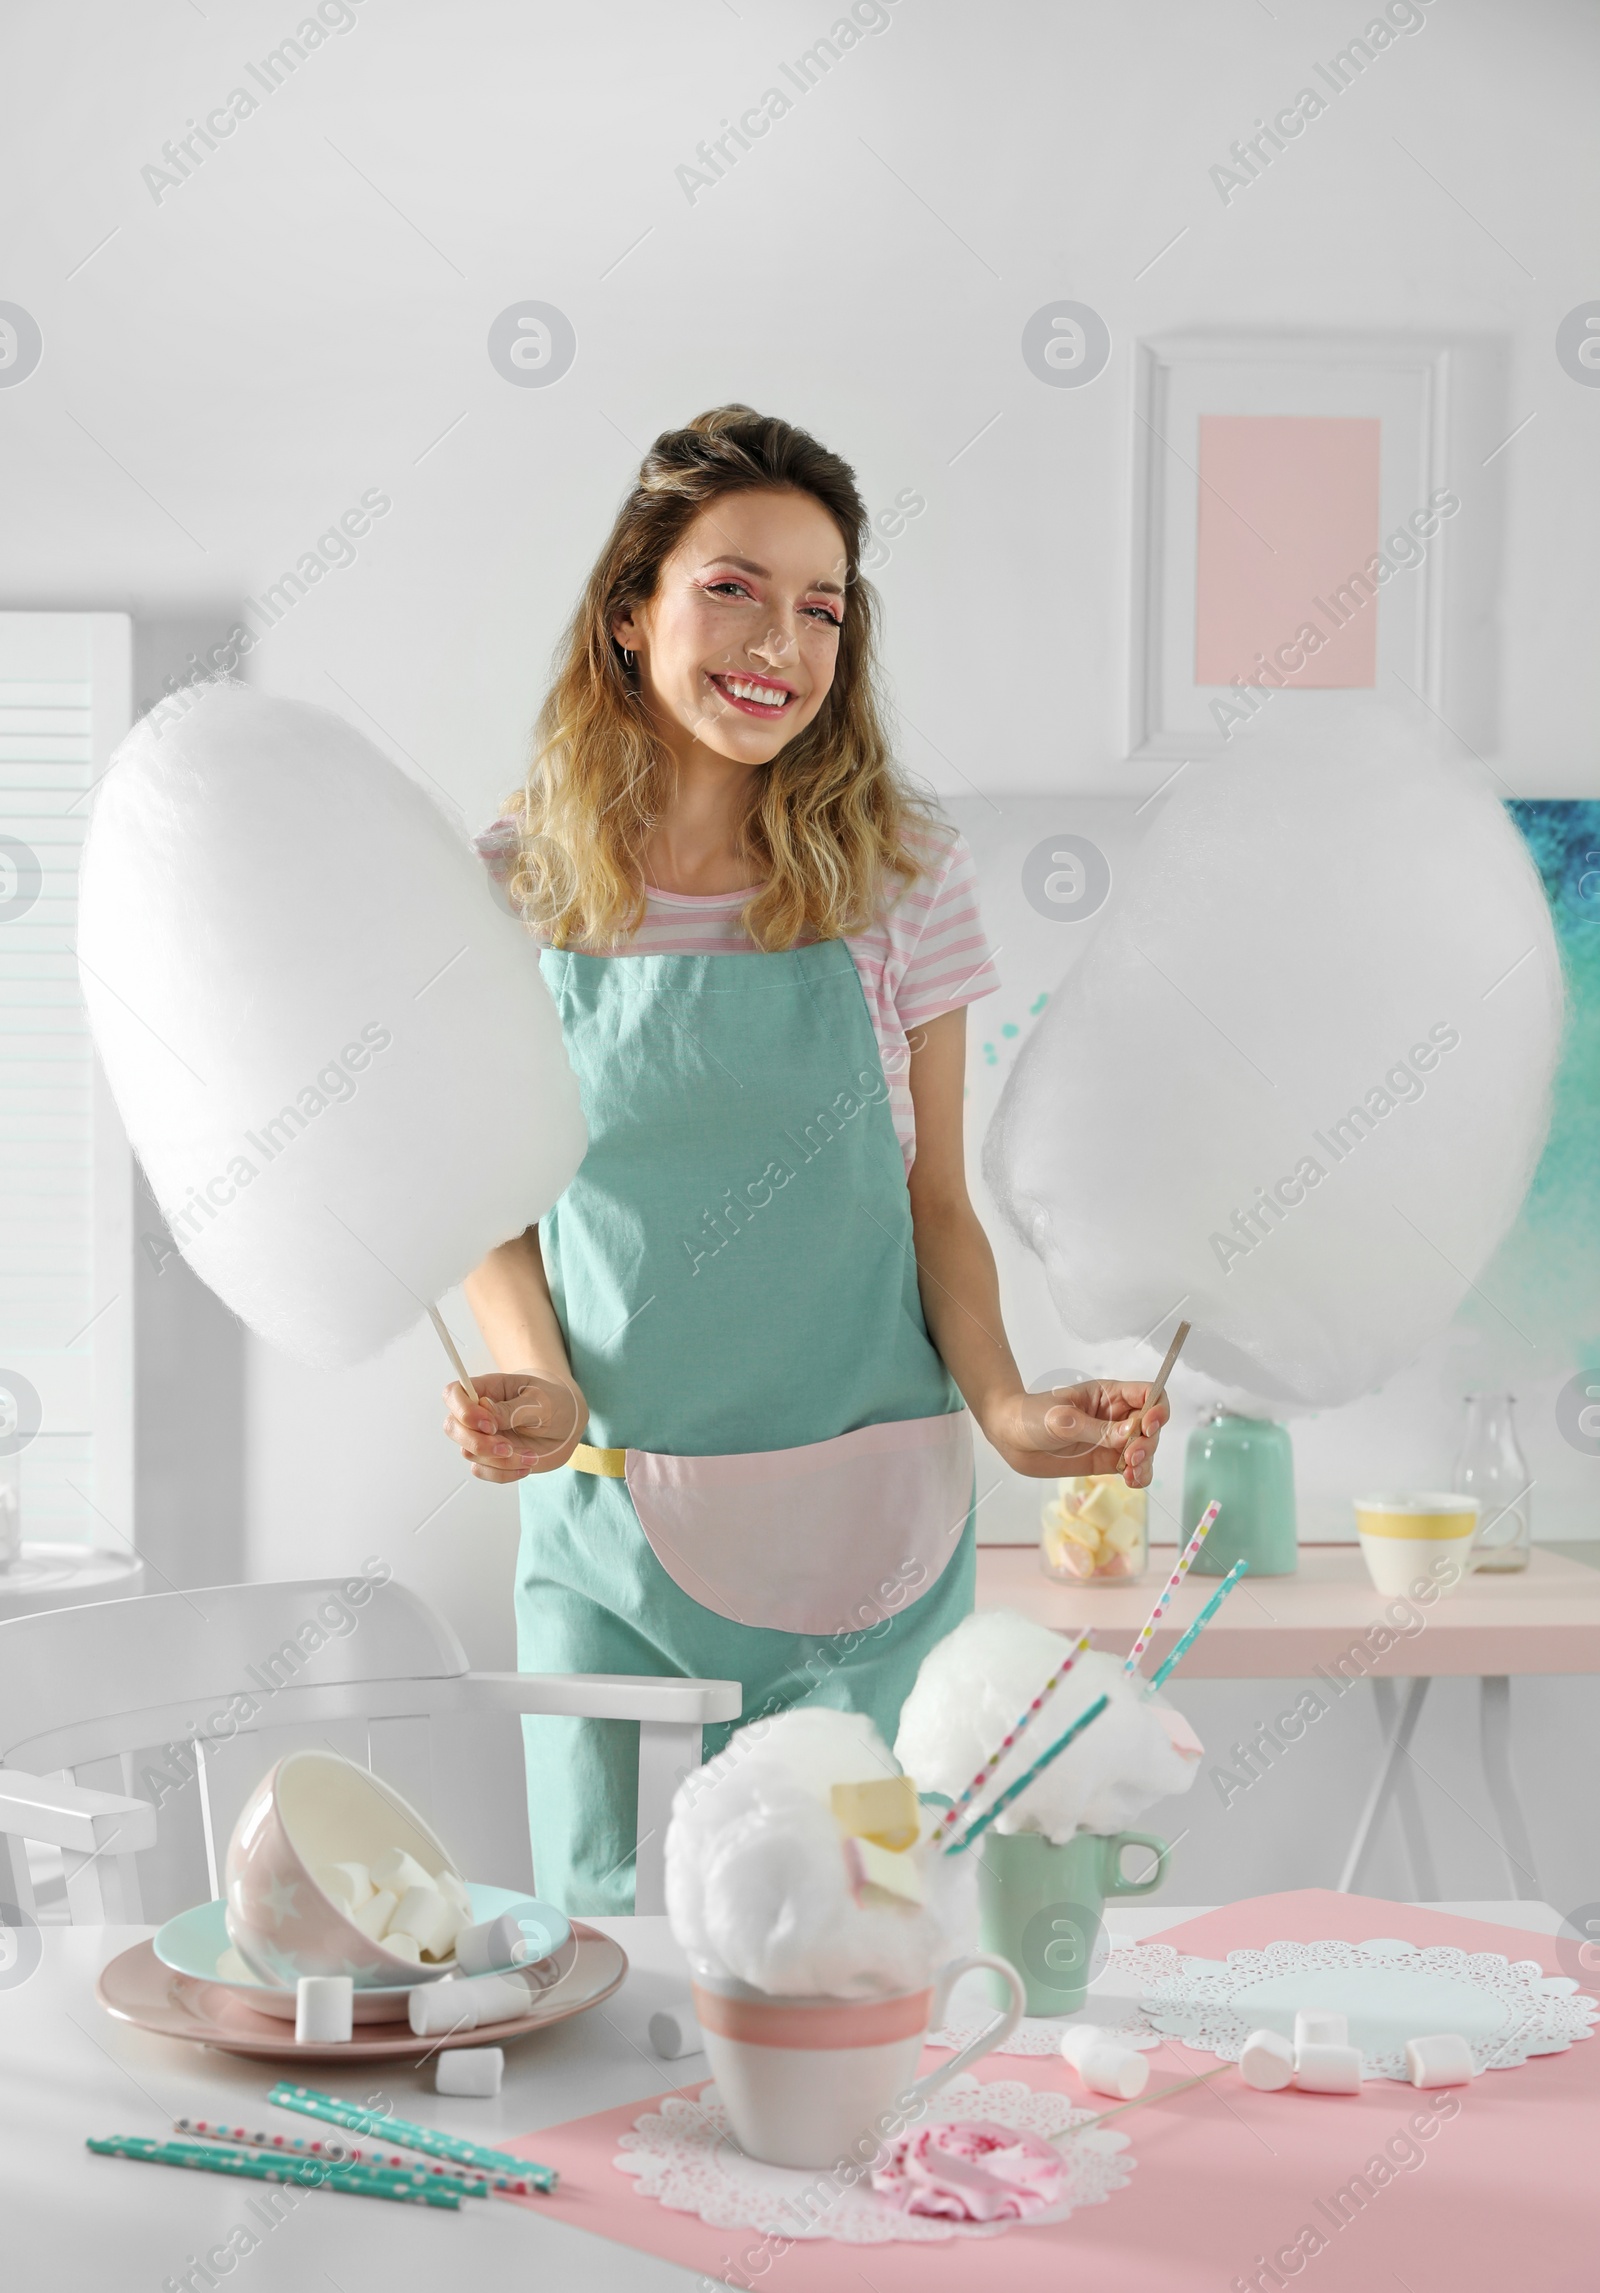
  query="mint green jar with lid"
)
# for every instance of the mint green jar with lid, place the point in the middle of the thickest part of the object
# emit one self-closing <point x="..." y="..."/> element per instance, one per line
<point x="1245" y="1464"/>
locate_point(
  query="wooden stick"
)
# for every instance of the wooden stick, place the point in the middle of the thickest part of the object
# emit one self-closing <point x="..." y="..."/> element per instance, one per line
<point x="1139" y="2101"/>
<point x="449" y="1344"/>
<point x="1159" y="1389"/>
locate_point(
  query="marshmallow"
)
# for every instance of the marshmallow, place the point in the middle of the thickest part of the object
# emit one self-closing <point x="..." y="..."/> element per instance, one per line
<point x="511" y="1940"/>
<point x="1104" y="2063"/>
<point x="1443" y="2060"/>
<point x="474" y="2070"/>
<point x="423" y="1914"/>
<point x="455" y="1891"/>
<point x="676" y="2033"/>
<point x="879" y="1875"/>
<point x="1321" y="2026"/>
<point x="457" y="2004"/>
<point x="397" y="1871"/>
<point x="1266" y="2061"/>
<point x="348" y="1884"/>
<point x="322" y="2010"/>
<point x="404" y="1947"/>
<point x="1328" y="2069"/>
<point x="886" y="1811"/>
<point x="373" y="1915"/>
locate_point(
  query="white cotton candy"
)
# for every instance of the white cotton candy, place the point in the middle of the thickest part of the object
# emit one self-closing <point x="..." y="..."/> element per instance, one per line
<point x="975" y="1684"/>
<point x="757" y="1882"/>
<point x="333" y="1052"/>
<point x="1295" y="928"/>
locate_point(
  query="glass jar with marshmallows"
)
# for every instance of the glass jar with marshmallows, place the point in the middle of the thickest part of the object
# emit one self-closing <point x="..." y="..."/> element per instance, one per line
<point x="1095" y="1530"/>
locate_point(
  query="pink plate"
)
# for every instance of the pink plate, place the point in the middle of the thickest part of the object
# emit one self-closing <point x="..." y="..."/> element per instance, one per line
<point x="137" y="1988"/>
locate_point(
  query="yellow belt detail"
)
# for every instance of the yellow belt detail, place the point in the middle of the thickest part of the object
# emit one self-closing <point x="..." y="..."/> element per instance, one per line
<point x="613" y="1463"/>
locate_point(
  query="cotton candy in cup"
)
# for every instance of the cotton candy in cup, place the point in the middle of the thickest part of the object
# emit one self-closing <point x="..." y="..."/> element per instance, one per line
<point x="332" y="1050"/>
<point x="1300" y="1077"/>
<point x="758" y="1885"/>
<point x="969" y="1693"/>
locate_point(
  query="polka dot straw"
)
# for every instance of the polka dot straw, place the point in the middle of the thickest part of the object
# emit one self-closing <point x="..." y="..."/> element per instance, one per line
<point x="947" y="1821"/>
<point x="1207" y="1518"/>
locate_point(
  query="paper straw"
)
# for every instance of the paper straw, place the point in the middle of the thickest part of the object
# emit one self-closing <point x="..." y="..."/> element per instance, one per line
<point x="411" y="2188"/>
<point x="433" y="2144"/>
<point x="473" y="2179"/>
<point x="997" y="1806"/>
<point x="1207" y="1519"/>
<point x="947" y="1821"/>
<point x="1163" y="1670"/>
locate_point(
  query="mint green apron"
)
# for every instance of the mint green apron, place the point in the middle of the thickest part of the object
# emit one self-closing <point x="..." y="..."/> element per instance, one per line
<point x="733" y="1268"/>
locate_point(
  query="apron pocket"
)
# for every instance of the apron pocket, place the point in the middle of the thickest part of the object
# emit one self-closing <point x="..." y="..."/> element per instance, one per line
<point x="827" y="1538"/>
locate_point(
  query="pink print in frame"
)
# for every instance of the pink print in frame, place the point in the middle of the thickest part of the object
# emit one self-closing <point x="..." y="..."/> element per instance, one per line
<point x="1288" y="514"/>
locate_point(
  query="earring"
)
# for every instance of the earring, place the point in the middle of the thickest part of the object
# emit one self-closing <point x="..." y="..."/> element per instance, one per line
<point x="627" y="656"/>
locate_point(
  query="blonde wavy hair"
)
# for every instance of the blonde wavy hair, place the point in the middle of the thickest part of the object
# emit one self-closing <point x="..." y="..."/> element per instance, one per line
<point x="829" y="832"/>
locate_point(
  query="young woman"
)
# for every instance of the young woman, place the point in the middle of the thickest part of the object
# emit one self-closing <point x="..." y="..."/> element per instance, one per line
<point x="732" y="1359"/>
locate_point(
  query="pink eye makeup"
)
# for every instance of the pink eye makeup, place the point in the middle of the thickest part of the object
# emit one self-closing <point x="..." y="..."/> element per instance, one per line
<point x="736" y="585"/>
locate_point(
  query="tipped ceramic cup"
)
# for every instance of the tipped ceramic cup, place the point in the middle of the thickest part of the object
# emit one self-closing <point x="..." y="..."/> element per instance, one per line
<point x="1407" y="1537"/>
<point x="313" y="1809"/>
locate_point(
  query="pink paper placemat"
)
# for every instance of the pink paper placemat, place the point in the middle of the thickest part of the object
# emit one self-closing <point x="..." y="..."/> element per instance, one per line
<point x="1500" y="2193"/>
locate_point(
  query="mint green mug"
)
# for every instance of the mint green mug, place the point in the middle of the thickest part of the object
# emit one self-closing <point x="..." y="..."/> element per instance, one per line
<point x="1040" y="1905"/>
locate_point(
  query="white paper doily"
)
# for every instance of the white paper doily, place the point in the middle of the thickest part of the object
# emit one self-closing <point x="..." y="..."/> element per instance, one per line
<point x="1506" y="2009"/>
<point x="685" y="2157"/>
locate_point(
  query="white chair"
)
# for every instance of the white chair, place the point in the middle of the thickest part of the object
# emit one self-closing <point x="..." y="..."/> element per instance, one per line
<point x="79" y="1686"/>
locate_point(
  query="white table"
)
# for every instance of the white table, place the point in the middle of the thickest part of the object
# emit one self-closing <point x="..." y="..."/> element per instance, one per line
<point x="75" y="2223"/>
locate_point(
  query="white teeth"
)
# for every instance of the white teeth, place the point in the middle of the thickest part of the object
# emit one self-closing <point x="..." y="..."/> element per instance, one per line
<point x="766" y="696"/>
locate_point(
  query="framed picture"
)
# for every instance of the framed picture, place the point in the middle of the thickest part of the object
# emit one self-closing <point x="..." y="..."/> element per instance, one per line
<point x="1315" y="522"/>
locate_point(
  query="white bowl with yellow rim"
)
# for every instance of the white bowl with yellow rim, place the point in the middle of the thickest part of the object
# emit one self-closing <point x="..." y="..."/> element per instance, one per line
<point x="1425" y="1534"/>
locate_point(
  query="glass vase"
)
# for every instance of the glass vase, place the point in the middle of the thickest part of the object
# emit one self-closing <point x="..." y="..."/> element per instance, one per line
<point x="1492" y="1468"/>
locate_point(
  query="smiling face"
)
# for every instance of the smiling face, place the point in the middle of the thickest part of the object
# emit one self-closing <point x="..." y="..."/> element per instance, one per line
<point x="737" y="648"/>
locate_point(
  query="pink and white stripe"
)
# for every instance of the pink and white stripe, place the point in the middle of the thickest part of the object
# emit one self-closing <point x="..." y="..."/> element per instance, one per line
<point x="1186" y="1562"/>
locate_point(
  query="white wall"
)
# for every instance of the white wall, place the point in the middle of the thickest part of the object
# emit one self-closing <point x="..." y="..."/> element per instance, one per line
<point x="228" y="369"/>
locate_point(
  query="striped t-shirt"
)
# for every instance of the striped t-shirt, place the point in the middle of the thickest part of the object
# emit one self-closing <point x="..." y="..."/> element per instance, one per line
<point x="924" y="956"/>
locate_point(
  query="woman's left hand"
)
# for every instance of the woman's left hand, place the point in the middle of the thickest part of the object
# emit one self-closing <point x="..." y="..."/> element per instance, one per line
<point x="1095" y="1428"/>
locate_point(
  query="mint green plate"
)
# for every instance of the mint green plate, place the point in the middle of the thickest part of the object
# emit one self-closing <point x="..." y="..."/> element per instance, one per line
<point x="193" y="1942"/>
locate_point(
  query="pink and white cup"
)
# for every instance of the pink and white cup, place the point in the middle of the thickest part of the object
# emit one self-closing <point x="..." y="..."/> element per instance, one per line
<point x="828" y="2081"/>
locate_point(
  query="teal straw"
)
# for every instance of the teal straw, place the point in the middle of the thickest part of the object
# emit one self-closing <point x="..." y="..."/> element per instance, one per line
<point x="1040" y="1764"/>
<point x="1163" y="1671"/>
<point x="406" y="2136"/>
<point x="407" y="2188"/>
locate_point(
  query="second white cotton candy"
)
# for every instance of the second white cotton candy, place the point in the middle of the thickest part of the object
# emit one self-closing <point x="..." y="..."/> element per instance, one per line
<point x="975" y="1683"/>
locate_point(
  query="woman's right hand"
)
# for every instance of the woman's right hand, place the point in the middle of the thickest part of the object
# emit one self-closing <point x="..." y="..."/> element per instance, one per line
<point x="520" y="1424"/>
